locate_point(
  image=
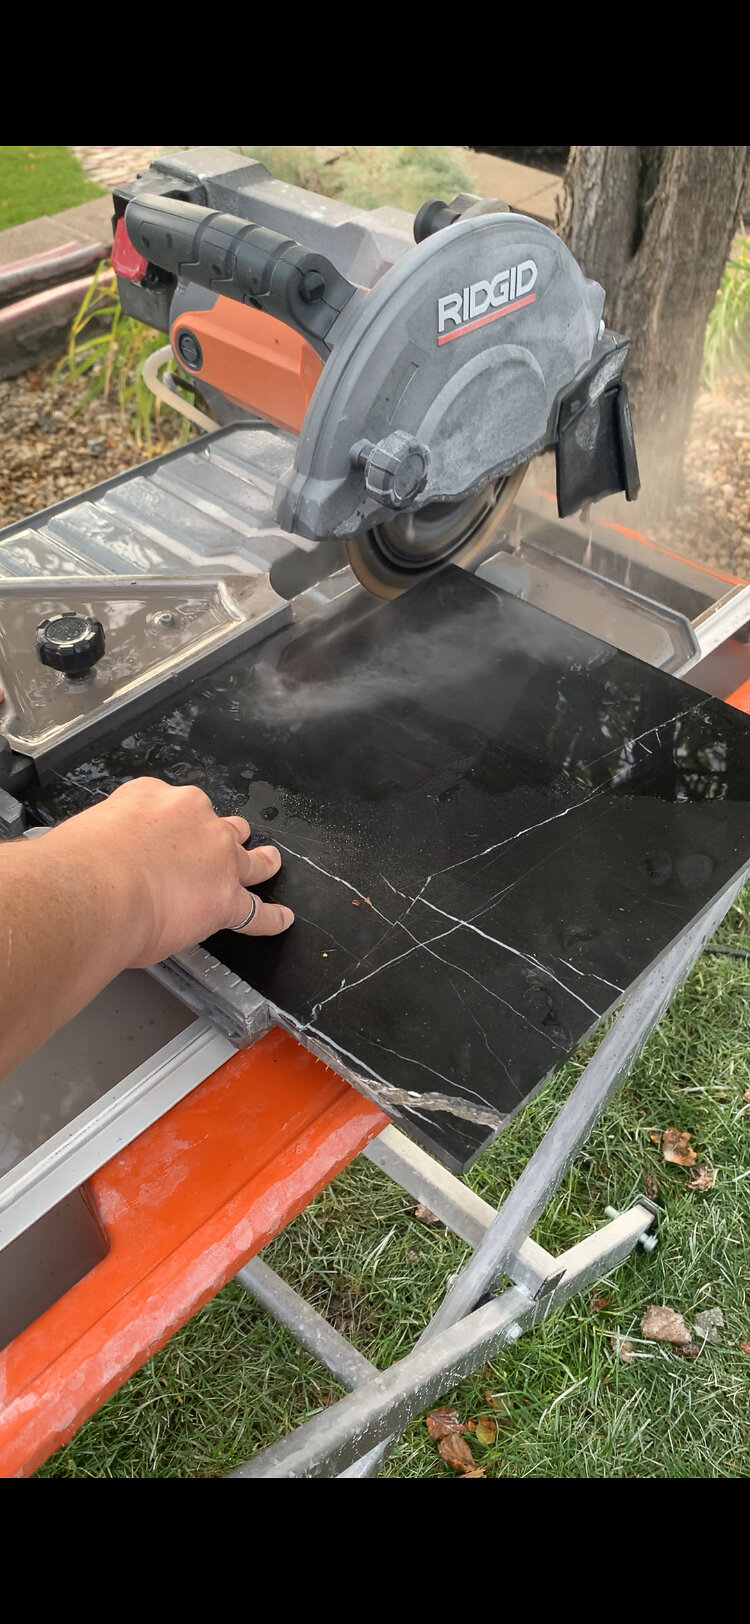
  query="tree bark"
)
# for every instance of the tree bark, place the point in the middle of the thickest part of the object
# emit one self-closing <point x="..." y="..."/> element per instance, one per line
<point x="654" y="226"/>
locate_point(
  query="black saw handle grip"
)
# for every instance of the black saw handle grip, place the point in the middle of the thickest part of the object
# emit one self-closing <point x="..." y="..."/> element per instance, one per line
<point x="241" y="260"/>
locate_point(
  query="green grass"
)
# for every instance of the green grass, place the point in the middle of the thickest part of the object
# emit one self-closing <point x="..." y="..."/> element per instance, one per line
<point x="40" y="180"/>
<point x="231" y="1381"/>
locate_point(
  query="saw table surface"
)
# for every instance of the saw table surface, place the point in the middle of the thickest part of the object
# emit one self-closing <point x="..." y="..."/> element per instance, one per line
<point x="492" y="824"/>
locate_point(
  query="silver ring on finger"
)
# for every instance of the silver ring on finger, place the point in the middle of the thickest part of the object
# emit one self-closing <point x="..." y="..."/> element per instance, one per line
<point x="250" y="916"/>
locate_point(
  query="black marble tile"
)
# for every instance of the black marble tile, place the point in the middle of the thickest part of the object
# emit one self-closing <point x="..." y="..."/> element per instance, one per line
<point x="491" y="822"/>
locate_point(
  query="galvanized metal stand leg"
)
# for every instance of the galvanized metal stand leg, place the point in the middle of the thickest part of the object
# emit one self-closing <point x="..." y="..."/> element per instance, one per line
<point x="329" y="1443"/>
<point x="461" y="1337"/>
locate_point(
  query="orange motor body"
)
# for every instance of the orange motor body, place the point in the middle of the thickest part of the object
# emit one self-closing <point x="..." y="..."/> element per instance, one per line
<point x="253" y="359"/>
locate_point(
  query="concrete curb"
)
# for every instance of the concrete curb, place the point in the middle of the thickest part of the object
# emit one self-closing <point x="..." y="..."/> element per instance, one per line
<point x="35" y="329"/>
<point x="48" y="269"/>
<point x="41" y="281"/>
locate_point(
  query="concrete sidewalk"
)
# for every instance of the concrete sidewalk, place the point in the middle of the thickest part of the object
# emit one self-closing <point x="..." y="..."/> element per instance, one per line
<point x="529" y="191"/>
<point x="87" y="223"/>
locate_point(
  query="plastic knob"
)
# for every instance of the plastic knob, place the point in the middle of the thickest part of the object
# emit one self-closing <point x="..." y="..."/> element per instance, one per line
<point x="396" y="469"/>
<point x="70" y="643"/>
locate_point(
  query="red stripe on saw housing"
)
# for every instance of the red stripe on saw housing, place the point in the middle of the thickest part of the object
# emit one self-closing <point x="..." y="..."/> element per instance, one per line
<point x="482" y="320"/>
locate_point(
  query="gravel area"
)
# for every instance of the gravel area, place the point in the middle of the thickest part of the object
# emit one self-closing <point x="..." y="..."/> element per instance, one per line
<point x="49" y="452"/>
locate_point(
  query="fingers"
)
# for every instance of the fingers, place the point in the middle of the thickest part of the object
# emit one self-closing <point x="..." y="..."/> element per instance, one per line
<point x="253" y="867"/>
<point x="270" y="918"/>
<point x="241" y="827"/>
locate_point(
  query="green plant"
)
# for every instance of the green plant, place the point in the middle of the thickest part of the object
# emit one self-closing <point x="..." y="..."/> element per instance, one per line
<point x="298" y="166"/>
<point x="727" y="342"/>
<point x="109" y="348"/>
<point x="404" y="177"/>
<point x="368" y="177"/>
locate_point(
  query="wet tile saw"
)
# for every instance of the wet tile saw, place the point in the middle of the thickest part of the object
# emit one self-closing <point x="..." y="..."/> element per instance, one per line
<point x="381" y="392"/>
<point x="420" y="397"/>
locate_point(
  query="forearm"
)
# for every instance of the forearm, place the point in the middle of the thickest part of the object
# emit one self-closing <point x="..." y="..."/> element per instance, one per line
<point x="147" y="871"/>
<point x="68" y="925"/>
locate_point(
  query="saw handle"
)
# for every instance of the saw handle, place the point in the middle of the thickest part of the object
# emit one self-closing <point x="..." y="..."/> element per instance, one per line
<point x="242" y="261"/>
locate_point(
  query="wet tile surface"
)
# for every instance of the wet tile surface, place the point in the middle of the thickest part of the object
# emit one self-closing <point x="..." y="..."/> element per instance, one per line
<point x="491" y="825"/>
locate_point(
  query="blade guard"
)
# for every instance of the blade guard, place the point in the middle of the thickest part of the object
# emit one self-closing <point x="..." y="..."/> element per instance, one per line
<point x="475" y="353"/>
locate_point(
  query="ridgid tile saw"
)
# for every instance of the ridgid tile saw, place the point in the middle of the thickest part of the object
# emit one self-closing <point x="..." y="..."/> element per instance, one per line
<point x="421" y="364"/>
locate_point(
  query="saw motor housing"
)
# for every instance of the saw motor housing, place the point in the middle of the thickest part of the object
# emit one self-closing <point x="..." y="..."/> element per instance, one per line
<point x="420" y="377"/>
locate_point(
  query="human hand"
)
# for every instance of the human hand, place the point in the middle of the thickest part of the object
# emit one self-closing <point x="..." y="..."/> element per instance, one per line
<point x="180" y="870"/>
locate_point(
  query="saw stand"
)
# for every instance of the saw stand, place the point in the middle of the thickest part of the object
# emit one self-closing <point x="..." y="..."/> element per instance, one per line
<point x="352" y="1437"/>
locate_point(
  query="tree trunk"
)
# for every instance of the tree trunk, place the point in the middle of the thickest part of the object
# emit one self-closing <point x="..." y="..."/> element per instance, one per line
<point x="654" y="226"/>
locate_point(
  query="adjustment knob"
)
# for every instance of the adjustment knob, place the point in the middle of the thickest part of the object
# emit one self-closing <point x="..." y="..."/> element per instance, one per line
<point x="70" y="643"/>
<point x="395" y="469"/>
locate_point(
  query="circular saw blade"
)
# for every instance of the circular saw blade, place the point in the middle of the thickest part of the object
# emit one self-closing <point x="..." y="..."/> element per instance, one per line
<point x="395" y="555"/>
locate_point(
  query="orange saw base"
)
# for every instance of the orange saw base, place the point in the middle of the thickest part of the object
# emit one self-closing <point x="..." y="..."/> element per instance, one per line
<point x="184" y="1206"/>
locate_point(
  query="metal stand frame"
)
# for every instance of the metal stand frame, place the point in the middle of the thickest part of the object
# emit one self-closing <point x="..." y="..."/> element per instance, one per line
<point x="352" y="1437"/>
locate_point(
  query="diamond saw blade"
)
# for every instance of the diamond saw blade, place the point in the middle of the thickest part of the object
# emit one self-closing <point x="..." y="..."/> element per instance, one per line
<point x="395" y="555"/>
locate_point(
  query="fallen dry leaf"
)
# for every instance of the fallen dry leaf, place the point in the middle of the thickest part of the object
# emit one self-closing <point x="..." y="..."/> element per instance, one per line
<point x="489" y="1398"/>
<point x="624" y="1350"/>
<point x="655" y="1138"/>
<point x="456" y="1453"/>
<point x="443" y="1423"/>
<point x="425" y="1216"/>
<point x="664" y="1325"/>
<point x="709" y="1323"/>
<point x="598" y="1302"/>
<point x="703" y="1178"/>
<point x="676" y="1147"/>
<point x="477" y="1471"/>
<point x="650" y="1187"/>
<point x="486" y="1429"/>
<point x="745" y="1347"/>
<point x="687" y="1350"/>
